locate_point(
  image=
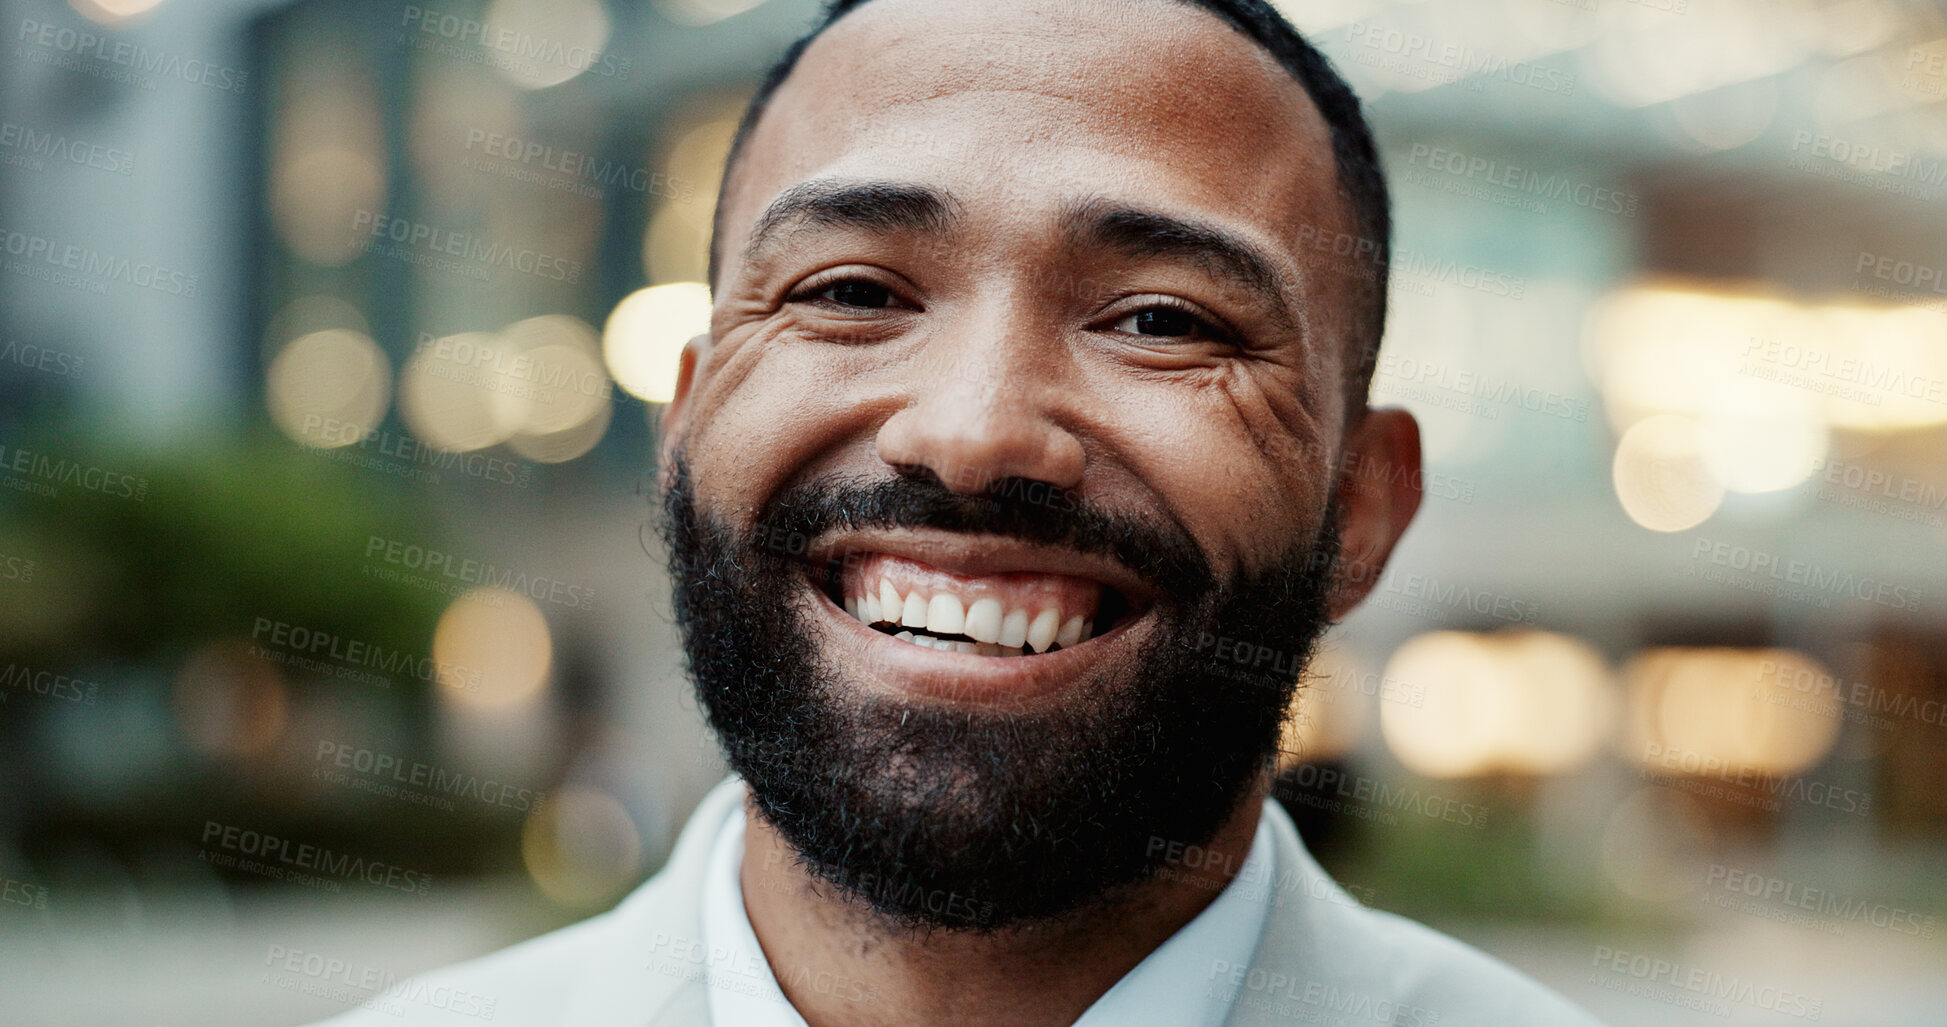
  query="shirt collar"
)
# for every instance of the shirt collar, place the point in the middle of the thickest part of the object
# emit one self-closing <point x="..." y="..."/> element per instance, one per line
<point x="1169" y="987"/>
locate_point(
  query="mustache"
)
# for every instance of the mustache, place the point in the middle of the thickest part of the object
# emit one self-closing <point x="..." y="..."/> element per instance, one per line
<point x="1155" y="548"/>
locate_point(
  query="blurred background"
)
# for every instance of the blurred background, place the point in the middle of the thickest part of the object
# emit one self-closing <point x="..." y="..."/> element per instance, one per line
<point x="334" y="644"/>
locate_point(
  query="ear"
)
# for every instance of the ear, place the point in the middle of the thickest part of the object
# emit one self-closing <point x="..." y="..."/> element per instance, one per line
<point x="691" y="366"/>
<point x="1378" y="491"/>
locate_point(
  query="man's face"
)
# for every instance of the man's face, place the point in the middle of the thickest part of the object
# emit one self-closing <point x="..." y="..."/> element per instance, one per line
<point x="1016" y="350"/>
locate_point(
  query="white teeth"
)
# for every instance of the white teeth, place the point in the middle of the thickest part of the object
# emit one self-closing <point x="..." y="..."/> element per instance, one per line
<point x="945" y="615"/>
<point x="1014" y="629"/>
<point x="984" y="620"/>
<point x="994" y="629"/>
<point x="1041" y="633"/>
<point x="914" y="613"/>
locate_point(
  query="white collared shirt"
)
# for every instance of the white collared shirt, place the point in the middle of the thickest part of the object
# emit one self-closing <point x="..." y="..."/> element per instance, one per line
<point x="1169" y="988"/>
<point x="1279" y="945"/>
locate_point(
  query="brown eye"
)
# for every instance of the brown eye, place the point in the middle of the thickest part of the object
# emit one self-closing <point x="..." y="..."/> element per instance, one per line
<point x="855" y="292"/>
<point x="1159" y="321"/>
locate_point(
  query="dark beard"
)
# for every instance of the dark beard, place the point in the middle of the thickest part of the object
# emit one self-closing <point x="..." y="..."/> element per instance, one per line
<point x="969" y="820"/>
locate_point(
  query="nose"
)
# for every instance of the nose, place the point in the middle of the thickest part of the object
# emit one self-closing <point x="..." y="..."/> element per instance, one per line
<point x="982" y="410"/>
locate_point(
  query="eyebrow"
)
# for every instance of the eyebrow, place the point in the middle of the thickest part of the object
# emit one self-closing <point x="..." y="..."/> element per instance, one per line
<point x="1136" y="232"/>
<point x="881" y="208"/>
<point x="887" y="208"/>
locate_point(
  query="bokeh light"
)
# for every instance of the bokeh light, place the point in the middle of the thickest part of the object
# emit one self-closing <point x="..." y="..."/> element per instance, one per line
<point x="113" y="12"/>
<point x="492" y="648"/>
<point x="645" y="335"/>
<point x="456" y="392"/>
<point x="327" y="164"/>
<point x="1662" y="348"/>
<point x="329" y="388"/>
<point x="581" y="847"/>
<point x="1660" y="477"/>
<point x="676" y="246"/>
<point x="558" y="358"/>
<point x="542" y="43"/>
<point x="1519" y="701"/>
<point x="1758" y="436"/>
<point x="1729" y="711"/>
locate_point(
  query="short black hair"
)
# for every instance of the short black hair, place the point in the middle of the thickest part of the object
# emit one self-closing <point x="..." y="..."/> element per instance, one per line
<point x="1355" y="156"/>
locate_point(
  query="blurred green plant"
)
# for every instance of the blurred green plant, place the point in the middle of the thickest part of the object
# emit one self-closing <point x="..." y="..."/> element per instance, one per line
<point x="207" y="541"/>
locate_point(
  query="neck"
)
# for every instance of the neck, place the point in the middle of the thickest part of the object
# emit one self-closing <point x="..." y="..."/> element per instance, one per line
<point x="838" y="963"/>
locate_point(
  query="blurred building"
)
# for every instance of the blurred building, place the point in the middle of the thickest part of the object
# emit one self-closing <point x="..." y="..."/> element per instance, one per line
<point x="334" y="336"/>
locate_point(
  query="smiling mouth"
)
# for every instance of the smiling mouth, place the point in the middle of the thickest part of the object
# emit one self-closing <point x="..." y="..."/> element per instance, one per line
<point x="1007" y="613"/>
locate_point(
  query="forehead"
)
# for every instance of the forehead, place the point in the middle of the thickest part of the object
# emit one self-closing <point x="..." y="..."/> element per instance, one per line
<point x="1021" y="105"/>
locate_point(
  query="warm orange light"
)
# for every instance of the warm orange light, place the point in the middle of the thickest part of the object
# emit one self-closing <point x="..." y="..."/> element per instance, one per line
<point x="1522" y="701"/>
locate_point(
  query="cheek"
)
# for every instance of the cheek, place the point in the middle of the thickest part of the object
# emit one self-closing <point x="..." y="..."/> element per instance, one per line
<point x="1245" y="468"/>
<point x="769" y="411"/>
